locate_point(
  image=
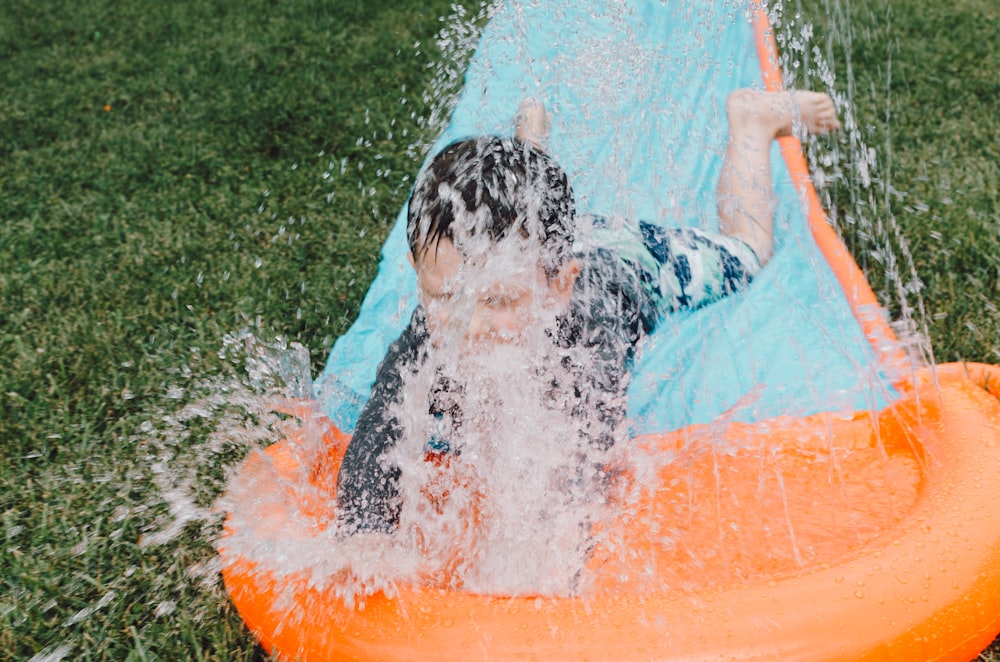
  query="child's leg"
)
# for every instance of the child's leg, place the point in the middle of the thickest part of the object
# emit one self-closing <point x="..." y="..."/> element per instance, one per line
<point x="533" y="124"/>
<point x="745" y="195"/>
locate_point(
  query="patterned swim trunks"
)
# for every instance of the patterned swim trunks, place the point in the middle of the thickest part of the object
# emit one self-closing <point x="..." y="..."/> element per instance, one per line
<point x="674" y="268"/>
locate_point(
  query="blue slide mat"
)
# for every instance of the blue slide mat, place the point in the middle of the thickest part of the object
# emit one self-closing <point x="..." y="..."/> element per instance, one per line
<point x="637" y="95"/>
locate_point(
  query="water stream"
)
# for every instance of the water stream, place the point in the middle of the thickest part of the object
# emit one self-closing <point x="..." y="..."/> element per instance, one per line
<point x="515" y="511"/>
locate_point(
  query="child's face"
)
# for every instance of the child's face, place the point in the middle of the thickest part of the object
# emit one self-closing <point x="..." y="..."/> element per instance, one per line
<point x="491" y="298"/>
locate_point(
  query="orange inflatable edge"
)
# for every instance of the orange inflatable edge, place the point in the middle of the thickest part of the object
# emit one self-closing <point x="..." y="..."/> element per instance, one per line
<point x="929" y="584"/>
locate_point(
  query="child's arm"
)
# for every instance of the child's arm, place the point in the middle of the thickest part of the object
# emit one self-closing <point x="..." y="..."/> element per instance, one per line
<point x="367" y="494"/>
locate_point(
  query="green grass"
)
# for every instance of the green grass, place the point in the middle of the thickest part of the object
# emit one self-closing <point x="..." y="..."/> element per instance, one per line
<point x="162" y="184"/>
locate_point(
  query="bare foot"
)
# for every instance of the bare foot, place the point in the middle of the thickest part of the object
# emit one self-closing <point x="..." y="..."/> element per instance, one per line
<point x="776" y="114"/>
<point x="745" y="193"/>
<point x="533" y="123"/>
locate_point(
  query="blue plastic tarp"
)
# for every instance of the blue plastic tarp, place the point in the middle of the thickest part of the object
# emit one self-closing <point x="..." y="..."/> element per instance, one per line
<point x="637" y="92"/>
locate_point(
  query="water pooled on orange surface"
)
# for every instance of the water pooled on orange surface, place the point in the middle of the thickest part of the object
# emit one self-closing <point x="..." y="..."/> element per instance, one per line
<point x="701" y="522"/>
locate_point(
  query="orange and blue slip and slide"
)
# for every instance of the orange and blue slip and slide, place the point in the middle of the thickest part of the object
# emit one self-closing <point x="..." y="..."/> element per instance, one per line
<point x="825" y="498"/>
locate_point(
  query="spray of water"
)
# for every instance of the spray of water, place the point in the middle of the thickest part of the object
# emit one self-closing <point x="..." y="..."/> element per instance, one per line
<point x="206" y="426"/>
<point x="854" y="177"/>
<point x="514" y="503"/>
<point x="500" y="491"/>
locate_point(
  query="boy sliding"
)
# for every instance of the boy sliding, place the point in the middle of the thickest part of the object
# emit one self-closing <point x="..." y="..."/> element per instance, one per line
<point x="491" y="228"/>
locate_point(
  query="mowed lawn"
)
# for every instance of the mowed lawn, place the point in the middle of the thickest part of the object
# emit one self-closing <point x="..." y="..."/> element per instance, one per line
<point x="171" y="173"/>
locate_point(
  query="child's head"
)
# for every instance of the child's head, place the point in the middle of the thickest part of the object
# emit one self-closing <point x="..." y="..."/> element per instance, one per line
<point x="492" y="217"/>
<point x="479" y="191"/>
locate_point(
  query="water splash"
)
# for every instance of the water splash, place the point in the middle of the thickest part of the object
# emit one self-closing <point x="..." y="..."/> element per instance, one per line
<point x="502" y="501"/>
<point x="533" y="508"/>
<point x="853" y="177"/>
<point x="207" y="425"/>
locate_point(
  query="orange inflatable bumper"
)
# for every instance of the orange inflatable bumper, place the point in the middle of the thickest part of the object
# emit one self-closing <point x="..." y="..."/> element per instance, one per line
<point x="924" y="584"/>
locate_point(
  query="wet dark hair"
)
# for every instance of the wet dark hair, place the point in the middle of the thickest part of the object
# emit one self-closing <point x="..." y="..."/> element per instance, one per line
<point x="492" y="186"/>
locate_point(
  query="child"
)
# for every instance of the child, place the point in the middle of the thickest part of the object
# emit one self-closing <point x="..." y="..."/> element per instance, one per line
<point x="491" y="228"/>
